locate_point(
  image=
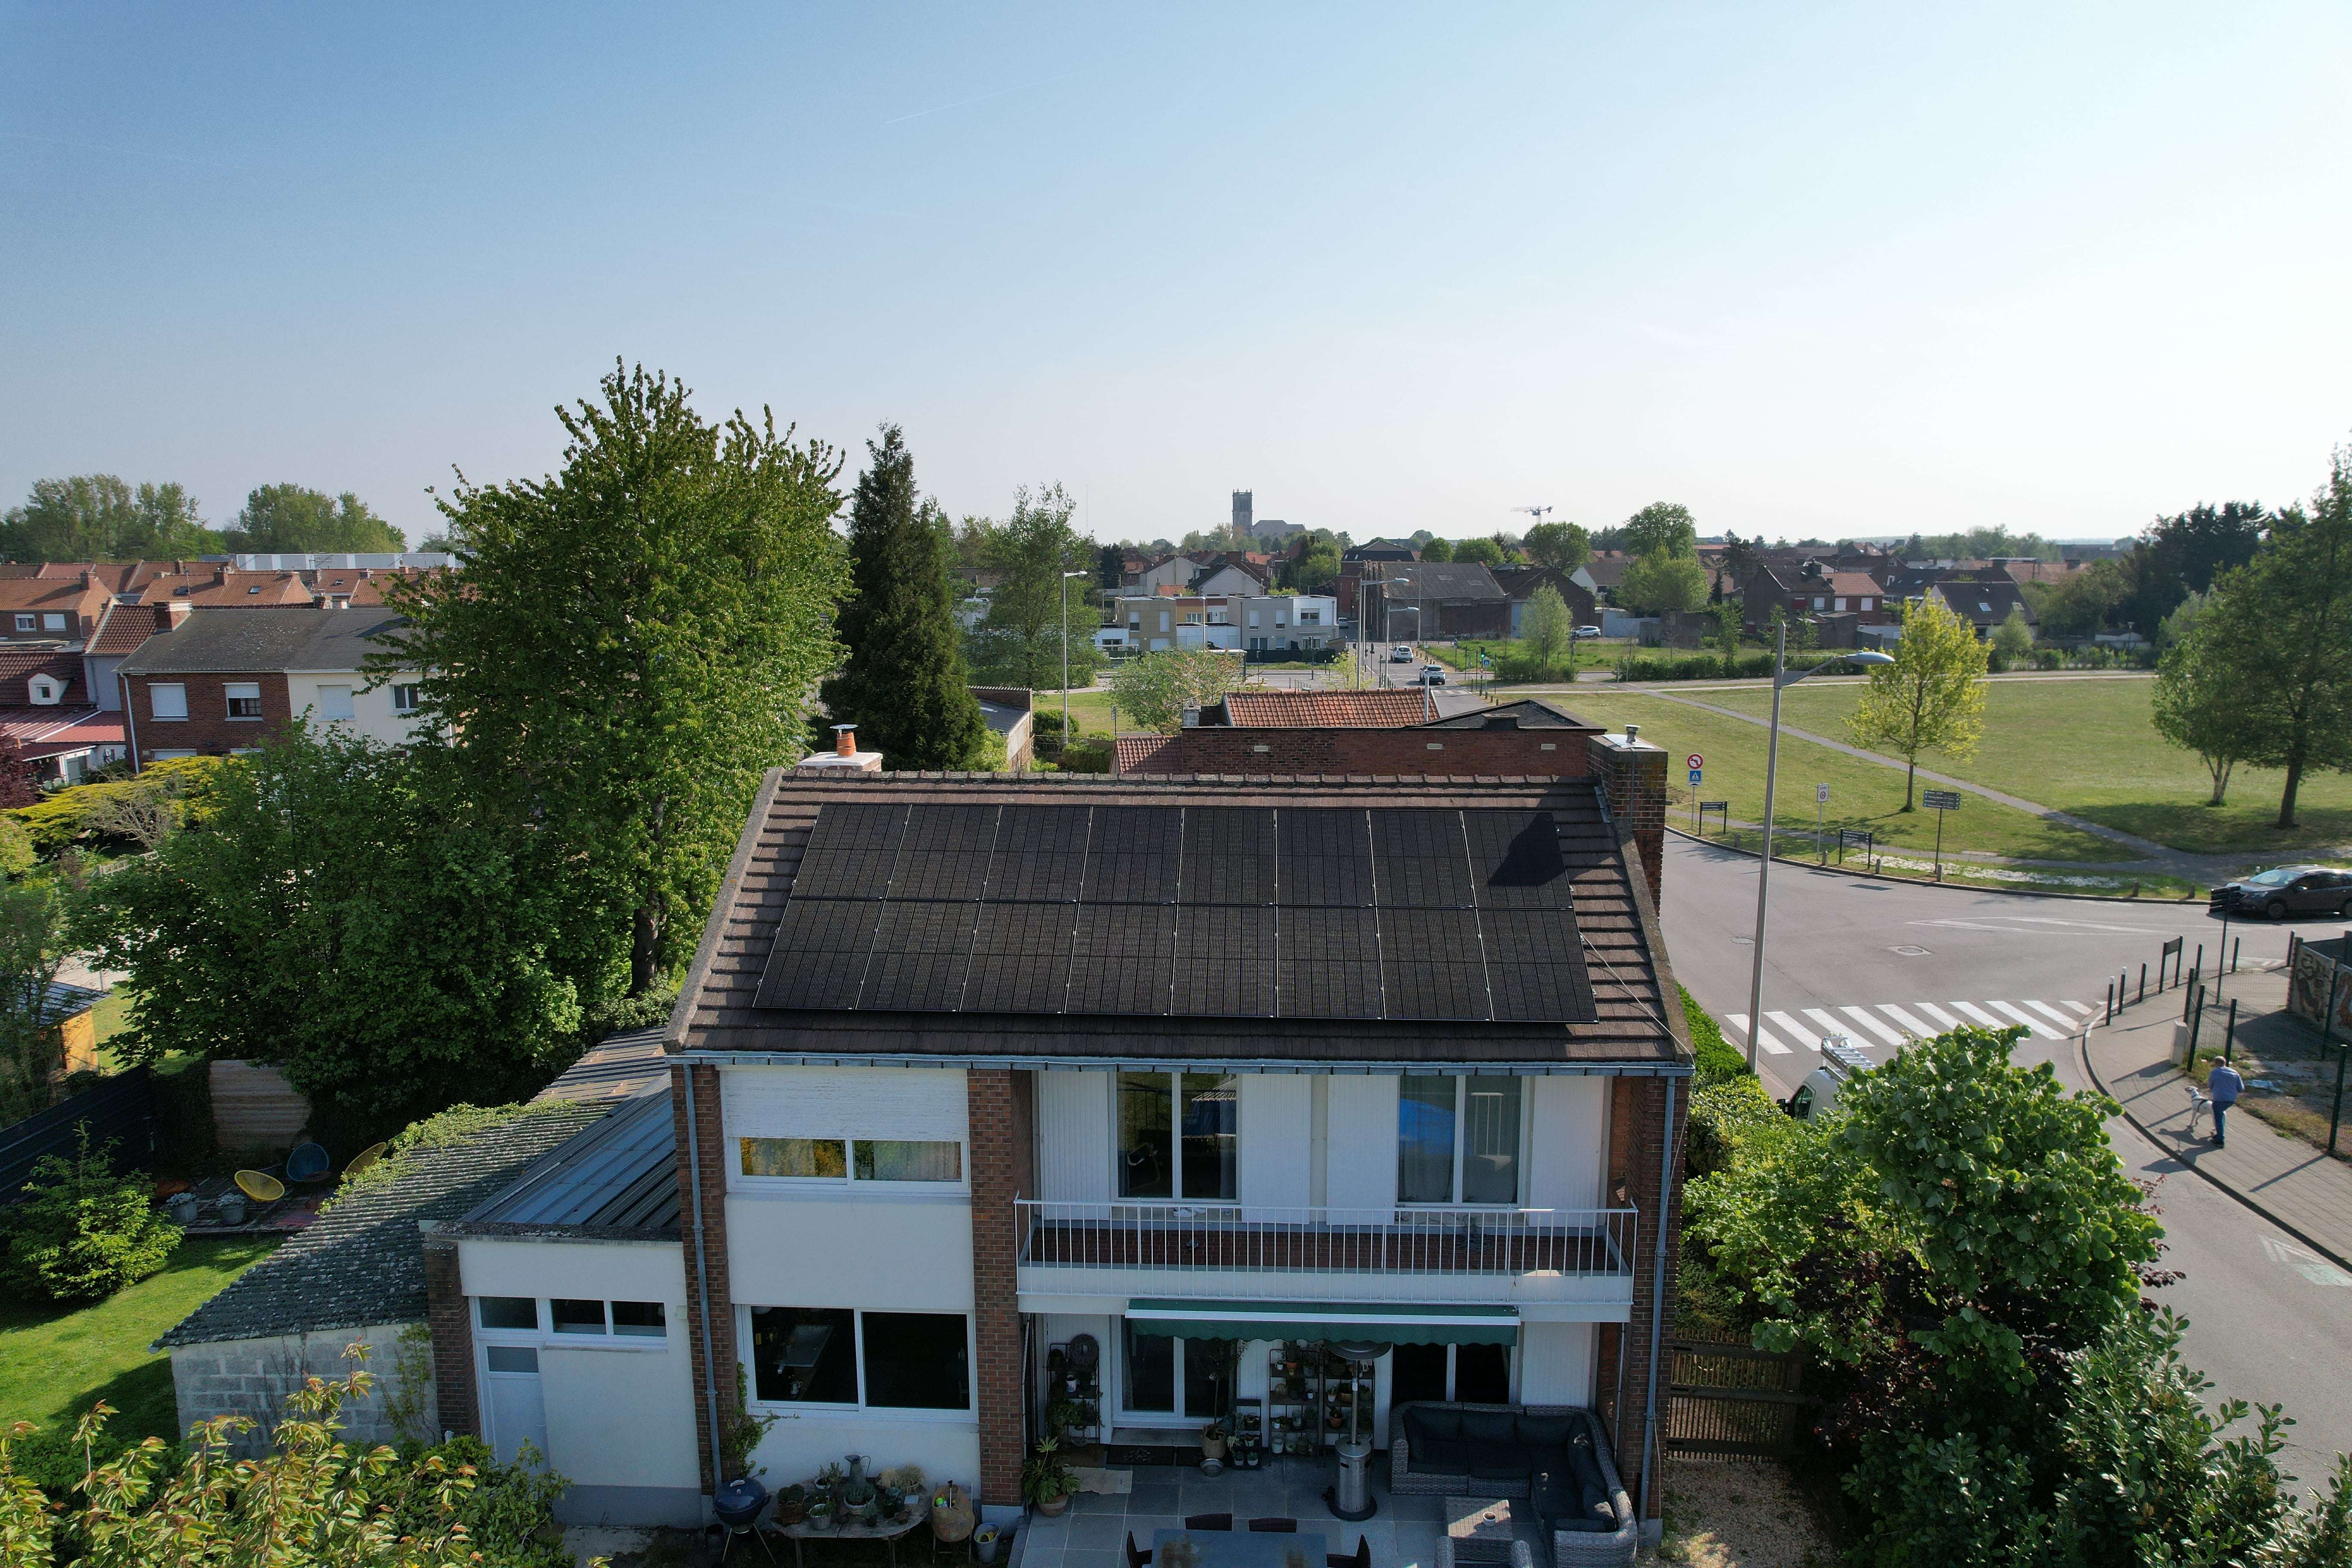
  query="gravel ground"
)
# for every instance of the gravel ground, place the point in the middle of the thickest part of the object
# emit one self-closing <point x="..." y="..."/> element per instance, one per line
<point x="1739" y="1513"/>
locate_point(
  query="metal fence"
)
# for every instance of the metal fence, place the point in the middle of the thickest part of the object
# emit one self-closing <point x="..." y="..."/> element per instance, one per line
<point x="1728" y="1397"/>
<point x="1231" y="1239"/>
<point x="122" y="1108"/>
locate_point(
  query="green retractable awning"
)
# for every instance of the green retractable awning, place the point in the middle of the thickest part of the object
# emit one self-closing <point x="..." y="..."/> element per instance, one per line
<point x="1395" y="1322"/>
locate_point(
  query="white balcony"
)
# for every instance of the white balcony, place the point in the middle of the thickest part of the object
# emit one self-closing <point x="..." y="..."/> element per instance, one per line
<point x="1562" y="1264"/>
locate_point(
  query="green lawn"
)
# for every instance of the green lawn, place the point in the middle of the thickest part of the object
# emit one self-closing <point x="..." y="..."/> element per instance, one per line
<point x="2086" y="747"/>
<point x="54" y="1365"/>
<point x="1861" y="795"/>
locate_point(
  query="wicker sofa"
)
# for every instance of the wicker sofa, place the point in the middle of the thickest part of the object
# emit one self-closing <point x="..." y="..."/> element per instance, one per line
<point x="1496" y="1450"/>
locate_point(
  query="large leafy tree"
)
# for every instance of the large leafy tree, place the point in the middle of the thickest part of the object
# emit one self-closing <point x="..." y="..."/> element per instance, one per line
<point x="1313" y="568"/>
<point x="1562" y="546"/>
<point x="1547" y="632"/>
<point x="634" y="641"/>
<point x="2197" y="705"/>
<point x="1037" y="618"/>
<point x="1663" y="527"/>
<point x="903" y="684"/>
<point x="1155" y="689"/>
<point x="291" y="519"/>
<point x="352" y="911"/>
<point x="2279" y="634"/>
<point x="1485" y="552"/>
<point x="1931" y="698"/>
<point x="98" y="517"/>
<point x="1660" y="581"/>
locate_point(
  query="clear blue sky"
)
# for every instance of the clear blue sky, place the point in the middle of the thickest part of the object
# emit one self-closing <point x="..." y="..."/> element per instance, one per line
<point x="1824" y="270"/>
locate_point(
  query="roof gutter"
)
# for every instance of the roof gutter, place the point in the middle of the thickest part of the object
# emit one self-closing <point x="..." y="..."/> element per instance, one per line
<point x="1188" y="1064"/>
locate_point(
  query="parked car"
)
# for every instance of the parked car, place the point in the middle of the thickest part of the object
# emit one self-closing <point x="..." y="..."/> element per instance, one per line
<point x="1432" y="674"/>
<point x="1583" y="633"/>
<point x="2286" y="891"/>
<point x="1401" y="654"/>
<point x="1817" y="1096"/>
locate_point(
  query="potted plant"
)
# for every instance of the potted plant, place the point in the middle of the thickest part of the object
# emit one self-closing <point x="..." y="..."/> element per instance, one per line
<point x="1067" y="1418"/>
<point x="820" y="1512"/>
<point x="1213" y="1442"/>
<point x="792" y="1504"/>
<point x="1046" y="1479"/>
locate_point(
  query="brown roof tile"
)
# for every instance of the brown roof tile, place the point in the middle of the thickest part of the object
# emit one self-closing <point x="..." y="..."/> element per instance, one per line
<point x="1326" y="710"/>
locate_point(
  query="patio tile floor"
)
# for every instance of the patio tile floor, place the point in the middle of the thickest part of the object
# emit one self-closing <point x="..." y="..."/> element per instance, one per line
<point x="1403" y="1533"/>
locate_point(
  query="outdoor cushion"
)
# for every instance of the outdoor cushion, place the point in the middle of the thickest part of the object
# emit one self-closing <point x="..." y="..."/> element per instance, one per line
<point x="1550" y="1492"/>
<point x="1488" y="1426"/>
<point x="1592" y="1494"/>
<point x="1443" y="1456"/>
<point x="1499" y="1461"/>
<point x="1421" y="1425"/>
<point x="1545" y="1431"/>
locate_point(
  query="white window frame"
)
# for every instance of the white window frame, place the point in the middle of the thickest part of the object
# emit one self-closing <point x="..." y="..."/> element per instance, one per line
<point x="1461" y="1122"/>
<point x="234" y="691"/>
<point x="26" y="623"/>
<point x="156" y="713"/>
<point x="847" y="1182"/>
<point x="1161" y="1420"/>
<point x="971" y="1411"/>
<point x="544" y="1335"/>
<point x="407" y="697"/>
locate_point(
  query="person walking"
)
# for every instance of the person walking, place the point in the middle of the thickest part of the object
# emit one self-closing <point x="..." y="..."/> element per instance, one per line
<point x="2224" y="1085"/>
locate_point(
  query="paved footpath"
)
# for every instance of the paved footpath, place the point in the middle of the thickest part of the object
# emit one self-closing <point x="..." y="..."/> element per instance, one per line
<point x="2293" y="1183"/>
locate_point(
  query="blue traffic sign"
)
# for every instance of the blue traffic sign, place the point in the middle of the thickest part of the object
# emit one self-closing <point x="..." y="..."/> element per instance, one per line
<point x="1693" y="775"/>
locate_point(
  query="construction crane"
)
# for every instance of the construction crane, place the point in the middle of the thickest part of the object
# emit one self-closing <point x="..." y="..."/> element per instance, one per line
<point x="1534" y="511"/>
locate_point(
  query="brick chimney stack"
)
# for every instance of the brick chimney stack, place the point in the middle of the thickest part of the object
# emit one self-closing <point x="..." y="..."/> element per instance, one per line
<point x="1632" y="774"/>
<point x="171" y="613"/>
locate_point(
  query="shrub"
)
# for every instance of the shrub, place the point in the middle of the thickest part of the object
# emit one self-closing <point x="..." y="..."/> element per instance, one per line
<point x="82" y="1233"/>
<point x="509" y="1512"/>
<point x="178" y="785"/>
<point x="1728" y="1119"/>
<point x="1718" y="1059"/>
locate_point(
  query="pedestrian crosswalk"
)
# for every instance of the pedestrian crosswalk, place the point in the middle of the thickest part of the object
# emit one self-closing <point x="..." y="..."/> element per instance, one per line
<point x="1891" y="1023"/>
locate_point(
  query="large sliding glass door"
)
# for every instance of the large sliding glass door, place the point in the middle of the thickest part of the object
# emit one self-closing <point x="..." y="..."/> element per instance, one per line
<point x="1176" y="1378"/>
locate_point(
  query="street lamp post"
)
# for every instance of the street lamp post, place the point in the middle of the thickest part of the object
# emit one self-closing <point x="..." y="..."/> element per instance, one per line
<point x="1782" y="677"/>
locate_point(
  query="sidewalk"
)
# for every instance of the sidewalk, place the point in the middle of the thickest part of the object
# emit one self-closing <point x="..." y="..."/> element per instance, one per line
<point x="2293" y="1183"/>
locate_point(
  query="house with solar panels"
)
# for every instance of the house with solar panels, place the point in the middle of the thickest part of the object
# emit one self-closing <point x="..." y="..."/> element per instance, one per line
<point x="977" y="1082"/>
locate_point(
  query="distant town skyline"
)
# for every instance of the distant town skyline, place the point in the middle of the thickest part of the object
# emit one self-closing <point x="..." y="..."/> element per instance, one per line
<point x="1811" y="273"/>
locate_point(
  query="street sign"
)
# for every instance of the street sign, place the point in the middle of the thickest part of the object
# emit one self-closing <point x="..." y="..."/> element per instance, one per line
<point x="1695" y="760"/>
<point x="1937" y="799"/>
<point x="1693" y="775"/>
<point x="1821" y="794"/>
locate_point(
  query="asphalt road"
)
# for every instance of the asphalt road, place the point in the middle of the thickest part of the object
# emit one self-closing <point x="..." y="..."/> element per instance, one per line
<point x="2270" y="1321"/>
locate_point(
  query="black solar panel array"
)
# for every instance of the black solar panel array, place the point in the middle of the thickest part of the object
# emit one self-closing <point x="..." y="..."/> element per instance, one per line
<point x="1215" y="912"/>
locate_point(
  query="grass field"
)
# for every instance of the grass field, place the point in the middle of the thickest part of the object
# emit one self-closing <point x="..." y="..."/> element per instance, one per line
<point x="1861" y="795"/>
<point x="2087" y="748"/>
<point x="54" y="1365"/>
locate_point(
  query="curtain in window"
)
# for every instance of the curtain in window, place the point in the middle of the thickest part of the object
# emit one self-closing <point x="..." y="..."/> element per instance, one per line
<point x="1425" y="1141"/>
<point x="1490" y="1150"/>
<point x="1212" y="1135"/>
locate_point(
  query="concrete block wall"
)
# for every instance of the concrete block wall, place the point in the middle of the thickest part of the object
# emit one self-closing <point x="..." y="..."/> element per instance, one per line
<point x="253" y="1378"/>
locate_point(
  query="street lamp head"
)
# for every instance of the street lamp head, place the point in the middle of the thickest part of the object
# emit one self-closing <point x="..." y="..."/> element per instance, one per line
<point x="1870" y="655"/>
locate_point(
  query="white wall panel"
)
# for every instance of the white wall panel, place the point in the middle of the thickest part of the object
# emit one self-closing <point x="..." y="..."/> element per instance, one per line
<point x="1278" y="1130"/>
<point x="916" y="1103"/>
<point x="1556" y="1363"/>
<point x="1569" y="1146"/>
<point x="889" y="1254"/>
<point x="1363" y="1142"/>
<point x="621" y="1417"/>
<point x="1073" y="1154"/>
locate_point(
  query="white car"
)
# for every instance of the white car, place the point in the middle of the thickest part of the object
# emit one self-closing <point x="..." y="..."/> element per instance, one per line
<point x="1432" y="674"/>
<point x="1401" y="654"/>
<point x="1584" y="633"/>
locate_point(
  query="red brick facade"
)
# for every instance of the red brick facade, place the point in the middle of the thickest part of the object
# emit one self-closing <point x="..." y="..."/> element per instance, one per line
<point x="1638" y="1134"/>
<point x="207" y="728"/>
<point x="1001" y="1120"/>
<point x="708" y="1145"/>
<point x="1508" y="754"/>
<point x="1633" y="781"/>
<point x="452" y="1339"/>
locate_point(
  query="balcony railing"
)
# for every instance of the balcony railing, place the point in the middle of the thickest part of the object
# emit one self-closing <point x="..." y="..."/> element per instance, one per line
<point x="1229" y="1238"/>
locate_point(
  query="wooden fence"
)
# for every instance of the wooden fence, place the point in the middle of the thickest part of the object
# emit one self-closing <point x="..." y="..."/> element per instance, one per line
<point x="1728" y="1397"/>
<point x="122" y="1108"/>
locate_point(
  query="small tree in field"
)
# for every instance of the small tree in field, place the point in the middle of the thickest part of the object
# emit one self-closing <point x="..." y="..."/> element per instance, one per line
<point x="2197" y="705"/>
<point x="1931" y="698"/>
<point x="2012" y="639"/>
<point x="1547" y="632"/>
<point x="1157" y="688"/>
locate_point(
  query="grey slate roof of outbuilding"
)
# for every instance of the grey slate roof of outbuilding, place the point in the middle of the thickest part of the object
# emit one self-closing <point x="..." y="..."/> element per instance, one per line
<point x="237" y="641"/>
<point x="363" y="1261"/>
<point x="1531" y="713"/>
<point x="1450" y="581"/>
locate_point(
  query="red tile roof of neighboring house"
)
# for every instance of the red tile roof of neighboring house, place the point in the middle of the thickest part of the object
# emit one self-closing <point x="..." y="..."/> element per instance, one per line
<point x="19" y="665"/>
<point x="1134" y="751"/>
<point x="1854" y="582"/>
<point x="42" y="732"/>
<point x="121" y="629"/>
<point x="1326" y="710"/>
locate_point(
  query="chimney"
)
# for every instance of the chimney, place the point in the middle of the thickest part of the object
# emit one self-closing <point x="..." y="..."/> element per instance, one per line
<point x="1631" y="773"/>
<point x="844" y="757"/>
<point x="171" y="613"/>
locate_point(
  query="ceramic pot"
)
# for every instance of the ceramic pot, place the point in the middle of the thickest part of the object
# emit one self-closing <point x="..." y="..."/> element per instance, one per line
<point x="984" y="1544"/>
<point x="232" y="1209"/>
<point x="1053" y="1508"/>
<point x="181" y="1207"/>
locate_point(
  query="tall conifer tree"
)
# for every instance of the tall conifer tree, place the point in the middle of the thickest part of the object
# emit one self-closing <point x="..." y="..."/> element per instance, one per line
<point x="904" y="683"/>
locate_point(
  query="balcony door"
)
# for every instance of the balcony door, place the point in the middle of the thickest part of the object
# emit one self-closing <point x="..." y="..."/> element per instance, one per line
<point x="1165" y="1378"/>
<point x="1180" y="1136"/>
<point x="1458" y="1140"/>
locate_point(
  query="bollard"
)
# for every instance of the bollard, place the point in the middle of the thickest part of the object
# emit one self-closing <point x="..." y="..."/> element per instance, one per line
<point x="2188" y="992"/>
<point x="2198" y="967"/>
<point x="2229" y="1040"/>
<point x="2110" y="1017"/>
<point x="2143" y="984"/>
<point x="2196" y="1021"/>
<point x="2235" y="943"/>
